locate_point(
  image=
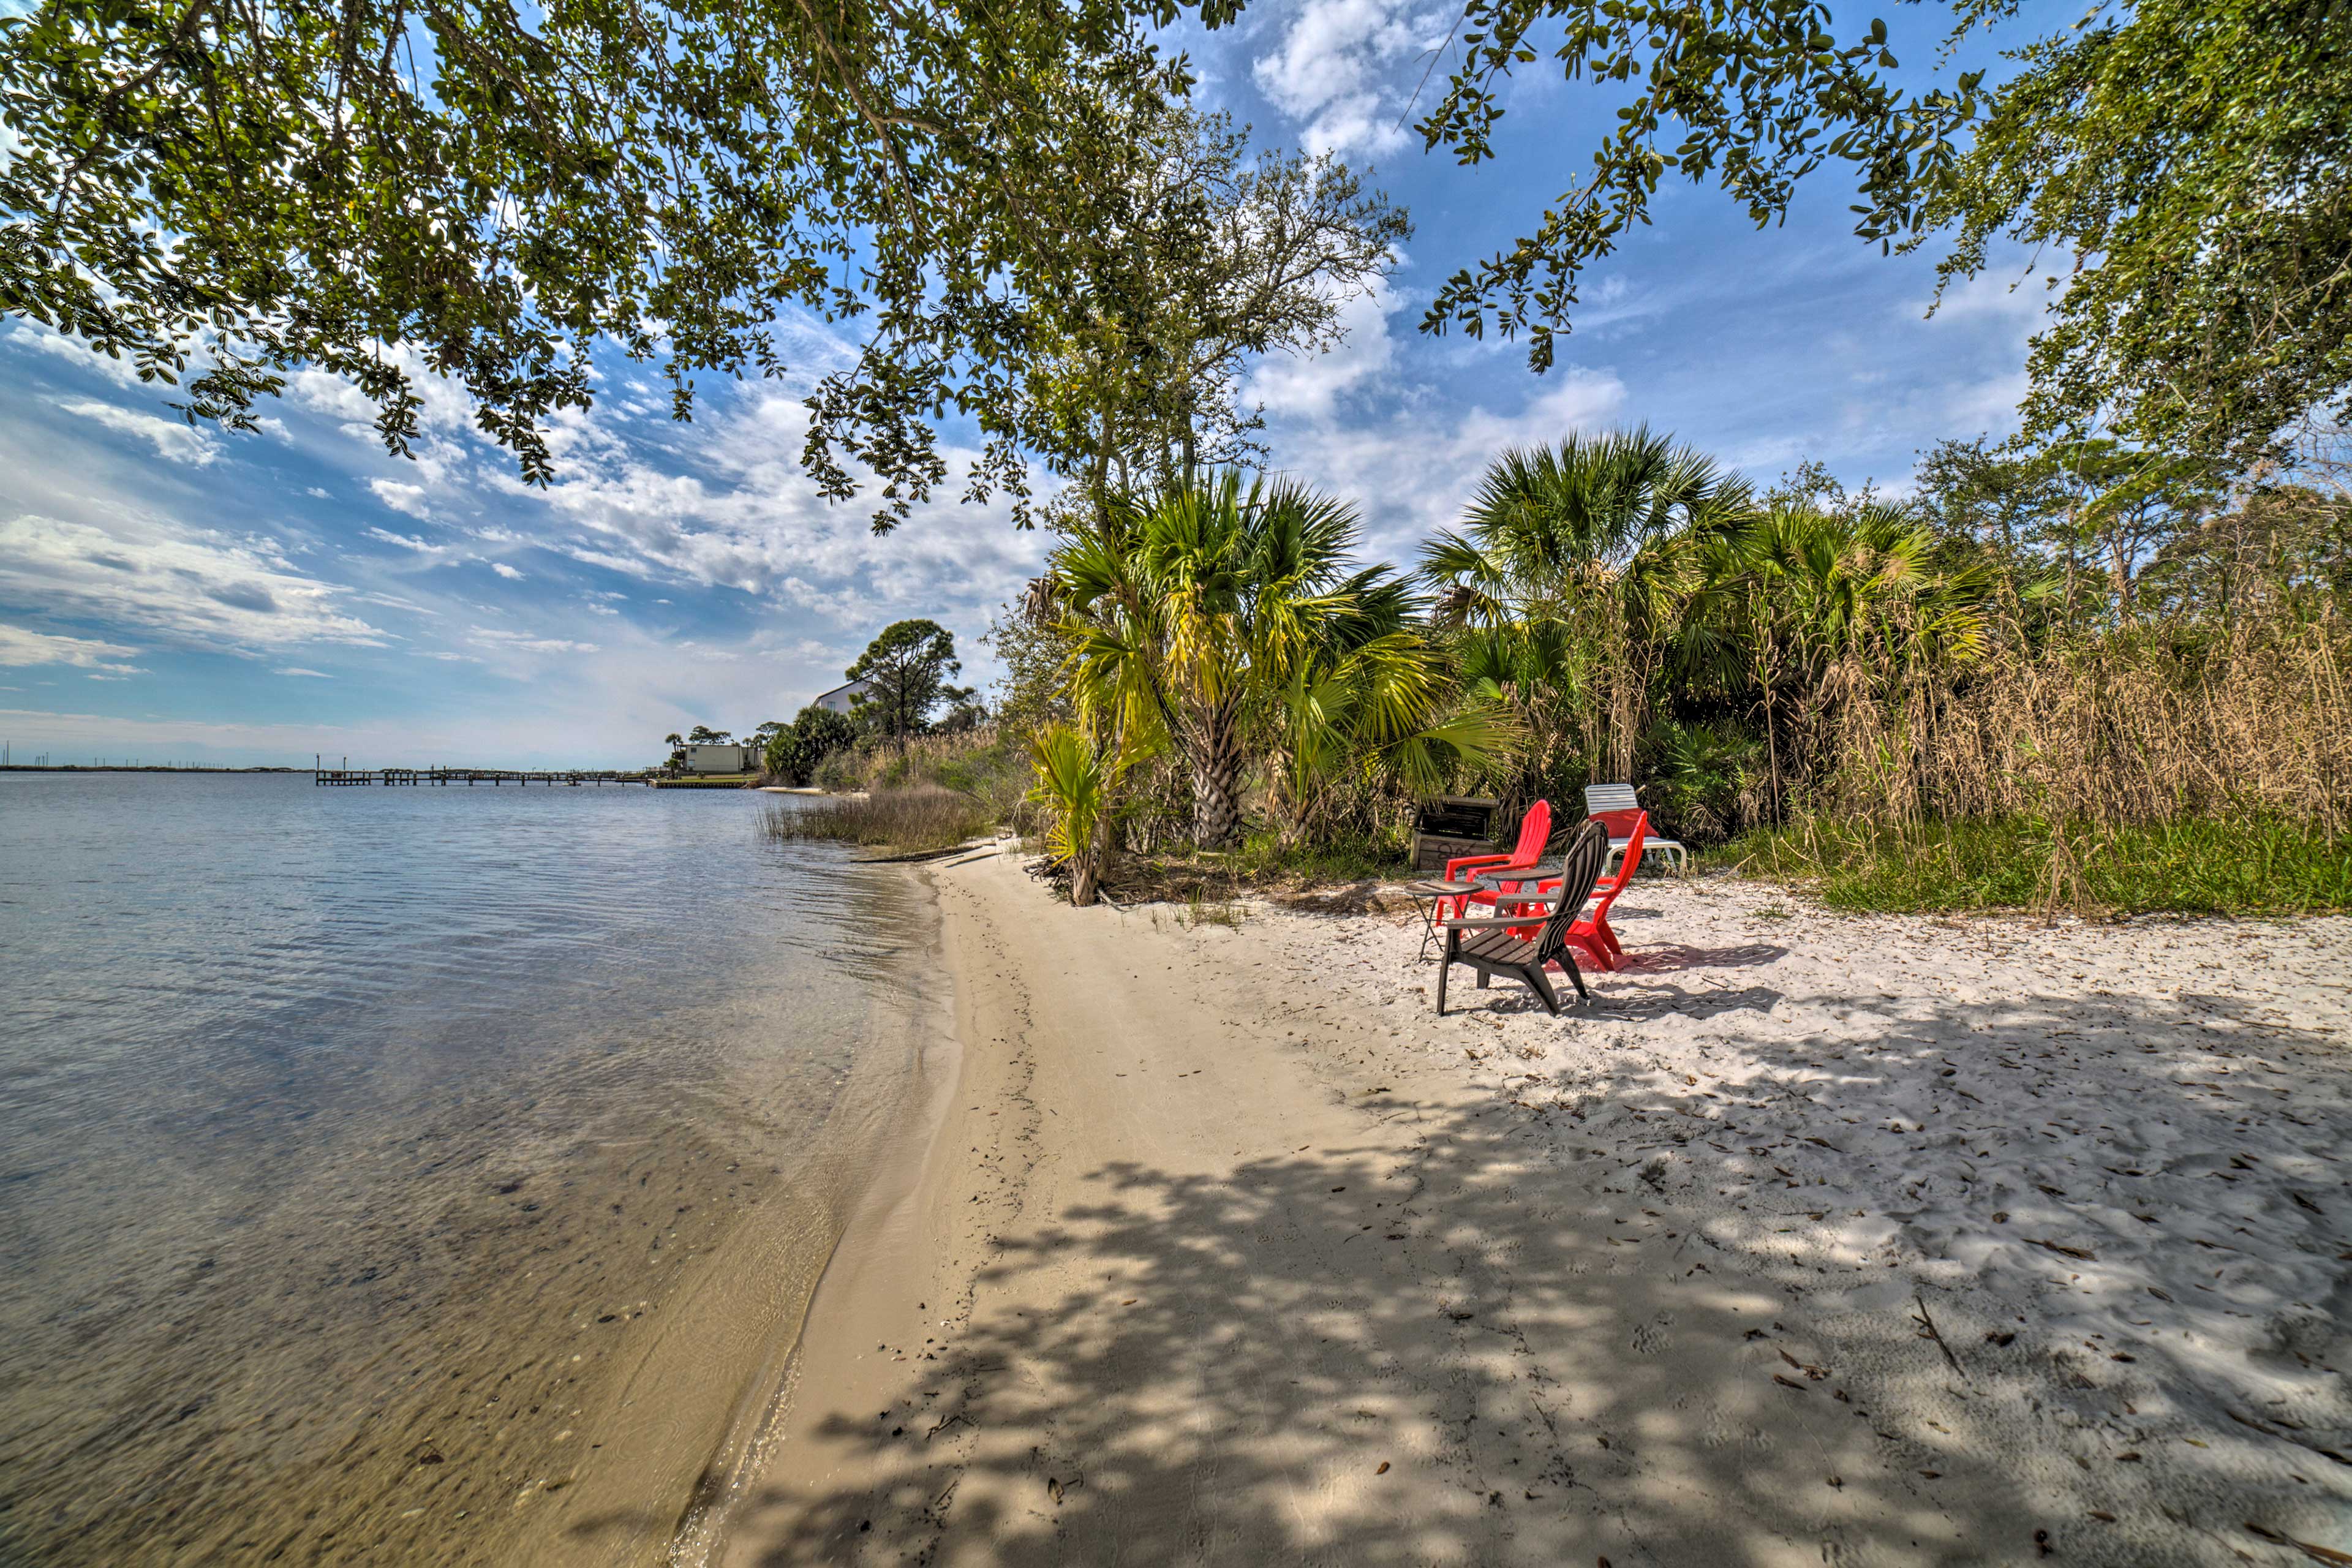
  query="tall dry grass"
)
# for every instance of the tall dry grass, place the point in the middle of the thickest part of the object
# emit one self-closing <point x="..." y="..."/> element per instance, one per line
<point x="2202" y="769"/>
<point x="2138" y="727"/>
<point x="911" y="820"/>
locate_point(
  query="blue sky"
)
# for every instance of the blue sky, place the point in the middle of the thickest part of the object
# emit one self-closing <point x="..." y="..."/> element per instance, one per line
<point x="167" y="593"/>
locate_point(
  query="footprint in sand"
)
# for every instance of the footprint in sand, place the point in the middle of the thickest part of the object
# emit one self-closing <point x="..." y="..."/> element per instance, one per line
<point x="1652" y="1337"/>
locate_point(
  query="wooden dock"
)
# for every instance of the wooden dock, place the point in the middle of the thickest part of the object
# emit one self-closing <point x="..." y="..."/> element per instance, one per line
<point x="344" y="778"/>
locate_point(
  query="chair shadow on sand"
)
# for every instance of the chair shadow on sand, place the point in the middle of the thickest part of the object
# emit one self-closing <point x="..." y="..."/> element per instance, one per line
<point x="1623" y="994"/>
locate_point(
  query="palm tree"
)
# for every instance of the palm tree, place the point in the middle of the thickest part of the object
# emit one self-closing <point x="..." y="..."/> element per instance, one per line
<point x="1074" y="782"/>
<point x="1221" y="616"/>
<point x="1831" y="614"/>
<point x="1567" y="579"/>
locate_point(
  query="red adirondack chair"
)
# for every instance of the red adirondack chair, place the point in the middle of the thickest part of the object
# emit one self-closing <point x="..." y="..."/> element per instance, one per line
<point x="1591" y="931"/>
<point x="1535" y="829"/>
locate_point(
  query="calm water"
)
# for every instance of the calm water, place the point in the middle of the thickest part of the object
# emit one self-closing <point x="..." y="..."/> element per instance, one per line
<point x="425" y="1174"/>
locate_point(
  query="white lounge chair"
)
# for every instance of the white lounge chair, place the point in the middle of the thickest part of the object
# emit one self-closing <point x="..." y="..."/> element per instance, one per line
<point x="1615" y="805"/>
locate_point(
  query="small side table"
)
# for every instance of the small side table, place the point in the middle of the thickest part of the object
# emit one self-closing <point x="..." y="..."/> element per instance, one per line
<point x="1434" y="894"/>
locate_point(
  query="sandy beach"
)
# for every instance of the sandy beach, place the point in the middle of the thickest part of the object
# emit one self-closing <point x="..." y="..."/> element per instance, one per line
<point x="1817" y="1239"/>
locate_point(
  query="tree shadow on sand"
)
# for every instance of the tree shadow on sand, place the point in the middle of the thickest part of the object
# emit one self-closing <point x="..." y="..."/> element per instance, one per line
<point x="1522" y="1340"/>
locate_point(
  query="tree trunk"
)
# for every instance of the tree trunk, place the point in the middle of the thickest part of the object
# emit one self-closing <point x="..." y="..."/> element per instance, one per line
<point x="1216" y="790"/>
<point x="1086" y="868"/>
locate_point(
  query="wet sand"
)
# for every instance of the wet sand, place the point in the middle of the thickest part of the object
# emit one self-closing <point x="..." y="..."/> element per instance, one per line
<point x="1226" y="1251"/>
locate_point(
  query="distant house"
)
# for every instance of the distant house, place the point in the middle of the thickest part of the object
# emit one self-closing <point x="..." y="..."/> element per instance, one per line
<point x="722" y="759"/>
<point x="842" y="697"/>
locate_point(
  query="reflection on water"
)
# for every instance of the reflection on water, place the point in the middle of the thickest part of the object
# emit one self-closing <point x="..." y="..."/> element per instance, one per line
<point x="362" y="1154"/>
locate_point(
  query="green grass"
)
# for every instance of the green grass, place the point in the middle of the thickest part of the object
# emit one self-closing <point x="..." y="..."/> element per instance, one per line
<point x="2255" y="865"/>
<point x="912" y="820"/>
<point x="1262" y="861"/>
<point x="1200" y="912"/>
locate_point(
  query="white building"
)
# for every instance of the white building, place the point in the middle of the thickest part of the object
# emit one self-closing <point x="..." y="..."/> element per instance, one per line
<point x="841" y="698"/>
<point x="722" y="759"/>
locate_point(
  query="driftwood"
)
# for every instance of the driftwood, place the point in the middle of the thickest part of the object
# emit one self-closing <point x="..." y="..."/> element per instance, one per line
<point x="919" y="855"/>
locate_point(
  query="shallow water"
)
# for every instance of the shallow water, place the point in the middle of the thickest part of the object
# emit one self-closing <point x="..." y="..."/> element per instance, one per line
<point x="415" y="1174"/>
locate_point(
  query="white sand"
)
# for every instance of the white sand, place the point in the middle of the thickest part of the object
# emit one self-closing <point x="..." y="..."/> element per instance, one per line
<point x="1229" y="1251"/>
<point x="2123" y="1144"/>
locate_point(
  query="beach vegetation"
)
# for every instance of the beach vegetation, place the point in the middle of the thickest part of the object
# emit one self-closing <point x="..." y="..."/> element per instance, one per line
<point x="2262" y="863"/>
<point x="911" y="819"/>
<point x="796" y="751"/>
<point x="2070" y="679"/>
<point x="1226" y="622"/>
<point x="1075" y="781"/>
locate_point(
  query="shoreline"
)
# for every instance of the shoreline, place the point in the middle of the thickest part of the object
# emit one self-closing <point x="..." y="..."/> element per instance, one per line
<point x="1225" y="1249"/>
<point x="680" y="1412"/>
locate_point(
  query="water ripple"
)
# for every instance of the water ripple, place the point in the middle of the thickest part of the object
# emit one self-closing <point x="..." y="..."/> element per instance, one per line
<point x="294" y="1078"/>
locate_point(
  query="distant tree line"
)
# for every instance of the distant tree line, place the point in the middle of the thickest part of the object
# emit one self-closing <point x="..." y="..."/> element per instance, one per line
<point x="908" y="692"/>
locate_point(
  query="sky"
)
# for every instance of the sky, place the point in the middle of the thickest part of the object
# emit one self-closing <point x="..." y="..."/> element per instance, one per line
<point x="172" y="594"/>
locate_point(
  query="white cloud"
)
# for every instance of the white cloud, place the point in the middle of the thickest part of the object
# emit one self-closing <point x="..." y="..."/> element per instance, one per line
<point x="400" y="497"/>
<point x="1304" y="387"/>
<point x="170" y="438"/>
<point x="316" y="493"/>
<point x="749" y="519"/>
<point x="26" y="335"/>
<point x="1411" y="472"/>
<point x="1339" y="71"/>
<point x="443" y="404"/>
<point x="313" y="674"/>
<point x="503" y="570"/>
<point x="196" y="586"/>
<point x="522" y="642"/>
<point x="395" y="602"/>
<point x="2009" y="294"/>
<point x="408" y="541"/>
<point x="22" y="647"/>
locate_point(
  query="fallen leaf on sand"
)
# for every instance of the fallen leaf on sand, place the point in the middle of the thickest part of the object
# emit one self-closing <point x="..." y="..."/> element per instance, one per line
<point x="2317" y="1553"/>
<point x="1383" y="1469"/>
<point x="2084" y="1253"/>
<point x="1786" y="1384"/>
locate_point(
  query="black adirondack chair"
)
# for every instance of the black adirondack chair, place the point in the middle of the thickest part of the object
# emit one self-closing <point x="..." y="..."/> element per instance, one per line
<point x="1488" y="947"/>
